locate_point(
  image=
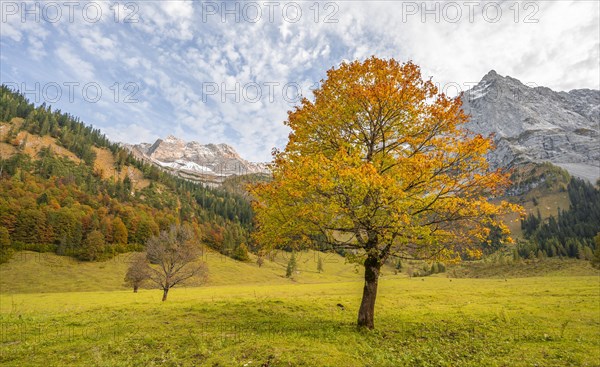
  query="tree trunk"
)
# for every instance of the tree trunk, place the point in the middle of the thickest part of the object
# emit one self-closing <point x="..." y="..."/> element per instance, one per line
<point x="366" y="313"/>
<point x="135" y="288"/>
<point x="165" y="292"/>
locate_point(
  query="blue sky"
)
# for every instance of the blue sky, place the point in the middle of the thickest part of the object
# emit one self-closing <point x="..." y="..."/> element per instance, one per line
<point x="228" y="72"/>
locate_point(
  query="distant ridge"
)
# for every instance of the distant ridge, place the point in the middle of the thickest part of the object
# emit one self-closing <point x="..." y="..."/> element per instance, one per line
<point x="209" y="163"/>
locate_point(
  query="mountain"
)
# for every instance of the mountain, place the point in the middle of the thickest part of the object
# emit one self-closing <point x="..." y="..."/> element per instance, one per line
<point x="537" y="124"/>
<point x="210" y="163"/>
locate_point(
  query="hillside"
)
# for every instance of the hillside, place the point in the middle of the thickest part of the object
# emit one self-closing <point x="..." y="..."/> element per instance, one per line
<point x="61" y="181"/>
<point x="29" y="144"/>
<point x="537" y="187"/>
<point x="551" y="267"/>
<point x="32" y="272"/>
<point x="33" y="144"/>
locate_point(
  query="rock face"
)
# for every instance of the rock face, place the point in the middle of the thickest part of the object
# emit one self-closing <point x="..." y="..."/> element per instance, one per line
<point x="192" y="160"/>
<point x="536" y="124"/>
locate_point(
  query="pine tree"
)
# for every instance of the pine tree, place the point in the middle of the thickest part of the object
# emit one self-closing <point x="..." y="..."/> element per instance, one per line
<point x="588" y="254"/>
<point x="291" y="266"/>
<point x="596" y="259"/>
<point x="399" y="265"/>
<point x="241" y="253"/>
<point x="540" y="254"/>
<point x="516" y="255"/>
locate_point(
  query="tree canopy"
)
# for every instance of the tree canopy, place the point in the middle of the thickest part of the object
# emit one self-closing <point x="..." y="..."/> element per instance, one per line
<point x="380" y="165"/>
<point x="174" y="254"/>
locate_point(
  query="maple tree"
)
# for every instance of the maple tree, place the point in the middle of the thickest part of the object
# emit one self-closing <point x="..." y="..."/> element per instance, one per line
<point x="380" y="165"/>
<point x="174" y="254"/>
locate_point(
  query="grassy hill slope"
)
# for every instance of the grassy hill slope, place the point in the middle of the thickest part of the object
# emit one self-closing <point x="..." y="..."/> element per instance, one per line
<point x="549" y="267"/>
<point x="32" y="272"/>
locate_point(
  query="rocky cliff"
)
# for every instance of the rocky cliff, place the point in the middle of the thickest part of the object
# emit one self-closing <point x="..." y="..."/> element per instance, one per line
<point x="537" y="124"/>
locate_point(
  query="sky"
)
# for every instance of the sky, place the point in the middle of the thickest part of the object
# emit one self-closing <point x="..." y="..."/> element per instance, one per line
<point x="228" y="72"/>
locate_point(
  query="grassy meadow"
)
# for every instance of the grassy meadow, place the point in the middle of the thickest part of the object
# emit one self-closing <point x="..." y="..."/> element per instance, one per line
<point x="58" y="312"/>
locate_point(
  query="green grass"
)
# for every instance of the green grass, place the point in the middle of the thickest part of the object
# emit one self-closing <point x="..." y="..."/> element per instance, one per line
<point x="433" y="321"/>
<point x="548" y="267"/>
<point x="32" y="272"/>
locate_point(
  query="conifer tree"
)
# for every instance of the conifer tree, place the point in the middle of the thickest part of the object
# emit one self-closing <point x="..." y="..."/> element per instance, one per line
<point x="291" y="266"/>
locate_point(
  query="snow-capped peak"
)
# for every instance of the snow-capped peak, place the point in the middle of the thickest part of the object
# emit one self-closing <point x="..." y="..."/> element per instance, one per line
<point x="218" y="160"/>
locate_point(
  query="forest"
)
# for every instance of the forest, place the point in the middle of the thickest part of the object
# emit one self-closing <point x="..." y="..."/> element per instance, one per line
<point x="51" y="203"/>
<point x="571" y="232"/>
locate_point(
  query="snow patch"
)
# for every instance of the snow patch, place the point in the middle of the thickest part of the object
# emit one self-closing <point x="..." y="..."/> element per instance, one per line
<point x="479" y="91"/>
<point x="181" y="164"/>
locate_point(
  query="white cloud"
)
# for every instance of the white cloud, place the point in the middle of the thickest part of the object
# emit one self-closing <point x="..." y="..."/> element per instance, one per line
<point x="84" y="71"/>
<point x="10" y="31"/>
<point x="36" y="50"/>
<point x="172" y="53"/>
<point x="97" y="44"/>
<point x="132" y="132"/>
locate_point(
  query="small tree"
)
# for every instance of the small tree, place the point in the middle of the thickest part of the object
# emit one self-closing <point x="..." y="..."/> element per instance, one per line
<point x="320" y="265"/>
<point x="119" y="231"/>
<point x="241" y="253"/>
<point x="291" y="266"/>
<point x="5" y="250"/>
<point x="174" y="253"/>
<point x="588" y="254"/>
<point x="540" y="254"/>
<point x="260" y="260"/>
<point x="596" y="259"/>
<point x="515" y="255"/>
<point x="399" y="265"/>
<point x="138" y="272"/>
<point x="93" y="247"/>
